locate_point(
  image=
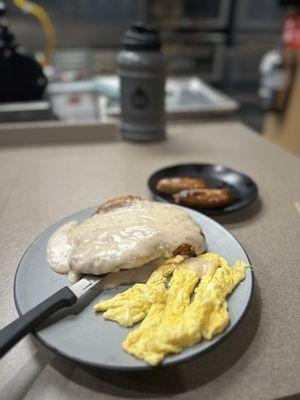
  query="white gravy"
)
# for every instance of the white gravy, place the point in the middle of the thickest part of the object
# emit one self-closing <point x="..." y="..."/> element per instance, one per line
<point x="122" y="238"/>
<point x="199" y="265"/>
<point x="60" y="247"/>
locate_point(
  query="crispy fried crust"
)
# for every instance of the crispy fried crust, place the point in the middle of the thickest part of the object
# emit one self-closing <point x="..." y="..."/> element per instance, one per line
<point x="185" y="250"/>
<point x="116" y="203"/>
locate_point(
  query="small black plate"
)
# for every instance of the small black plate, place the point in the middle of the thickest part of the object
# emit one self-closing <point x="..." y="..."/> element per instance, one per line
<point x="242" y="188"/>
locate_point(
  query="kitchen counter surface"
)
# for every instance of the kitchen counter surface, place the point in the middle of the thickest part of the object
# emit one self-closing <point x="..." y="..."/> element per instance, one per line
<point x="44" y="182"/>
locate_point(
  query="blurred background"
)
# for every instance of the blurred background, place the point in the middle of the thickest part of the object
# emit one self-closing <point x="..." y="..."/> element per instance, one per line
<point x="224" y="56"/>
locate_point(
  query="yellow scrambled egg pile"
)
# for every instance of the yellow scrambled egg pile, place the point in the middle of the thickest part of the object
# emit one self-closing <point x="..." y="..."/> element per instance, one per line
<point x="171" y="318"/>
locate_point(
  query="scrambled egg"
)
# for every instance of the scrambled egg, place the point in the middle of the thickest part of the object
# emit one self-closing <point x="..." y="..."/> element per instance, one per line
<point x="193" y="306"/>
<point x="133" y="305"/>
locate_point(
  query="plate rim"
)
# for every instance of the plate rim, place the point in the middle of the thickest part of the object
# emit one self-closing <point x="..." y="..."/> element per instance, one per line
<point x="169" y="363"/>
<point x="210" y="212"/>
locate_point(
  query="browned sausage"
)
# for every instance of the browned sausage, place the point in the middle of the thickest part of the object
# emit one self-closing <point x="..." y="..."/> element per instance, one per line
<point x="203" y="198"/>
<point x="175" y="184"/>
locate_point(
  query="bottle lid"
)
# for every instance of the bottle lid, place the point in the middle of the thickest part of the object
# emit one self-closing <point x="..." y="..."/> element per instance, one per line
<point x="141" y="37"/>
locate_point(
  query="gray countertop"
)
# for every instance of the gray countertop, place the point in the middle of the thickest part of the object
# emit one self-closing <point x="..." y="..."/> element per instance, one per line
<point x="42" y="183"/>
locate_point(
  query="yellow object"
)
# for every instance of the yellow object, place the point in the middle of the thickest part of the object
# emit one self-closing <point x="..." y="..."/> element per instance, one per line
<point x="171" y="320"/>
<point x="39" y="12"/>
<point x="132" y="306"/>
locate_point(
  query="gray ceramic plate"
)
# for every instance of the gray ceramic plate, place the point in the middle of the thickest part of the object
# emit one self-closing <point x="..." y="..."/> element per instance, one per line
<point x="83" y="336"/>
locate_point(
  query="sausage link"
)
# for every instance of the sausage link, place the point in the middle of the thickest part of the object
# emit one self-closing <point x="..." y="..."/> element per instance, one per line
<point x="175" y="184"/>
<point x="203" y="198"/>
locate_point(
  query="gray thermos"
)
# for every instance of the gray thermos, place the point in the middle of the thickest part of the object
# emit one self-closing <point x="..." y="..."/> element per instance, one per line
<point x="141" y="68"/>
